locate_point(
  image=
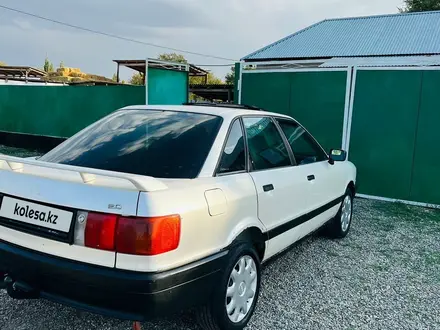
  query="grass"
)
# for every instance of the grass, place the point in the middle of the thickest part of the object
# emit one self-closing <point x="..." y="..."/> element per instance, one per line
<point x="419" y="216"/>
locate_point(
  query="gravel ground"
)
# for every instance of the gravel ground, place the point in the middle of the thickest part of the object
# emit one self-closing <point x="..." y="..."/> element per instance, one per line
<point x="384" y="275"/>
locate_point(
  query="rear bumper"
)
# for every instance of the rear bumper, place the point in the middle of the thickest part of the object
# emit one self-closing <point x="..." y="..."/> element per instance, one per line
<point x="110" y="292"/>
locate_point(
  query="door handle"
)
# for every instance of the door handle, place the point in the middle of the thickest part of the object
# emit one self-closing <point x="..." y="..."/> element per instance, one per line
<point x="311" y="177"/>
<point x="268" y="187"/>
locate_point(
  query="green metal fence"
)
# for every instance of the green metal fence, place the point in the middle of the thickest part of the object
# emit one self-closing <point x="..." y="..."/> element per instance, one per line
<point x="383" y="131"/>
<point x="236" y="82"/>
<point x="61" y="111"/>
<point x="316" y="99"/>
<point x="426" y="176"/>
<point x="394" y="134"/>
<point x="167" y="86"/>
<point x="388" y="117"/>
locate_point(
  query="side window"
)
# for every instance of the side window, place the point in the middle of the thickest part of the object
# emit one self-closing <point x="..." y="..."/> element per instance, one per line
<point x="266" y="146"/>
<point x="305" y="149"/>
<point x="233" y="158"/>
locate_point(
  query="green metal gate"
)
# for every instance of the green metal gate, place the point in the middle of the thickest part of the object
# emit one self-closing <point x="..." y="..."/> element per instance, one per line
<point x="394" y="133"/>
<point x="316" y="98"/>
<point x="383" y="131"/>
<point x="387" y="118"/>
<point x="426" y="175"/>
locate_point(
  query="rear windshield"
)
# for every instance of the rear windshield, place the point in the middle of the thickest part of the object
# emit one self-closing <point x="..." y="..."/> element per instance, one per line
<point x="162" y="144"/>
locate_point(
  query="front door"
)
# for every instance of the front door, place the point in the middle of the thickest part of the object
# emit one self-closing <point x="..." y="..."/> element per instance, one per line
<point x="324" y="189"/>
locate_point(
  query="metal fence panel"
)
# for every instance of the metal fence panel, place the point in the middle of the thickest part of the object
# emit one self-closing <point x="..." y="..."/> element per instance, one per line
<point x="316" y="99"/>
<point x="61" y="111"/>
<point x="167" y="86"/>
<point x="426" y="175"/>
<point x="270" y="91"/>
<point x="383" y="131"/>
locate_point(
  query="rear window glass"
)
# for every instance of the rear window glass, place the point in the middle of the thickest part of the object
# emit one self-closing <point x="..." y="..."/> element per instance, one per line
<point x="163" y="144"/>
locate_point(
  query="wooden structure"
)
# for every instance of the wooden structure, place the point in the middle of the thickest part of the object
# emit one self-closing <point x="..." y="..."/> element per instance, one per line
<point x="222" y="92"/>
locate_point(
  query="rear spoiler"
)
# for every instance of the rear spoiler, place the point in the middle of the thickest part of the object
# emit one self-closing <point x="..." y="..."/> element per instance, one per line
<point x="85" y="175"/>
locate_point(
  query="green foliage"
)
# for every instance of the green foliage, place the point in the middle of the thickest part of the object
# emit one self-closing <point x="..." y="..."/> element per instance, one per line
<point x="115" y="79"/>
<point x="136" y="79"/>
<point x="420" y="5"/>
<point x="61" y="64"/>
<point x="230" y="77"/>
<point x="2" y="63"/>
<point x="172" y="57"/>
<point x="60" y="79"/>
<point x="48" y="66"/>
<point x="212" y="80"/>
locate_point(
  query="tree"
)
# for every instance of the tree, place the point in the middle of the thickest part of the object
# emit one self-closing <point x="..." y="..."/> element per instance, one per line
<point x="48" y="66"/>
<point x="2" y="63"/>
<point x="172" y="57"/>
<point x="230" y="77"/>
<point x="137" y="79"/>
<point x="420" y="5"/>
<point x="115" y="79"/>
<point x="61" y="64"/>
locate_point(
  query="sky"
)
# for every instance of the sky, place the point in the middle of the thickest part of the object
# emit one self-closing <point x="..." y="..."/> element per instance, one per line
<point x="225" y="28"/>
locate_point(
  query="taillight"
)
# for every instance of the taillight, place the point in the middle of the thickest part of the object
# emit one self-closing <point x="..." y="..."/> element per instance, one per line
<point x="100" y="231"/>
<point x="132" y="235"/>
<point x="148" y="236"/>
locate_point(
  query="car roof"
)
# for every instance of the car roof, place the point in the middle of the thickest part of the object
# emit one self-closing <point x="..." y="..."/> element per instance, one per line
<point x="223" y="111"/>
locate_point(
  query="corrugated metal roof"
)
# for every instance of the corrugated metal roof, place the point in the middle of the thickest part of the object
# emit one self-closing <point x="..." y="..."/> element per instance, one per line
<point x="400" y="34"/>
<point x="338" y="62"/>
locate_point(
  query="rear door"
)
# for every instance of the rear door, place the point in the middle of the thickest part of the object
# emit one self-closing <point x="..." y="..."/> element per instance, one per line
<point x="282" y="188"/>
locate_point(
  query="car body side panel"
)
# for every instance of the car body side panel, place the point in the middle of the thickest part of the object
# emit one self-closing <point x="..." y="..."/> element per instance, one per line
<point x="201" y="233"/>
<point x="283" y="241"/>
<point x="335" y="179"/>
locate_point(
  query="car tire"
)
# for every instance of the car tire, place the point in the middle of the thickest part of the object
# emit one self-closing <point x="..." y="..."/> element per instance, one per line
<point x="340" y="225"/>
<point x="243" y="272"/>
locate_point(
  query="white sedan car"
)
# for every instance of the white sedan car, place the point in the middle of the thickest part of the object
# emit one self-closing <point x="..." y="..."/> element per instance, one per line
<point x="155" y="209"/>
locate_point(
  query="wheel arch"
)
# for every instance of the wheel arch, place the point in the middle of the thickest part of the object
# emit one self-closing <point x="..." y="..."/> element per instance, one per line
<point x="351" y="186"/>
<point x="255" y="236"/>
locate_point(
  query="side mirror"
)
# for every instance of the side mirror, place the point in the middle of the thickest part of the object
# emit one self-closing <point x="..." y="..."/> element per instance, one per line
<point x="337" y="155"/>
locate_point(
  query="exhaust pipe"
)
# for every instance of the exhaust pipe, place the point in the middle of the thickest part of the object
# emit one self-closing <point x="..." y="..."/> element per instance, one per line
<point x="19" y="290"/>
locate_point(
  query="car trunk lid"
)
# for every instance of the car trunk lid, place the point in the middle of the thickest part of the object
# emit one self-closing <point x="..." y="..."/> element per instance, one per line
<point x="40" y="204"/>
